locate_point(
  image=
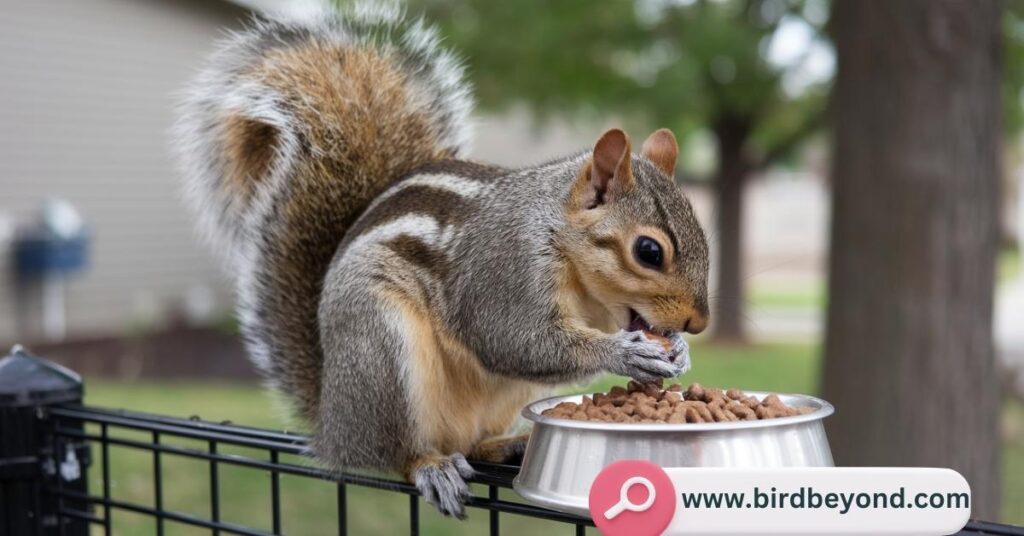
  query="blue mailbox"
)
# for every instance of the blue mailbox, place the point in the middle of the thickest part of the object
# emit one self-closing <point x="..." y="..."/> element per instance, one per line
<point x="56" y="245"/>
<point x="43" y="254"/>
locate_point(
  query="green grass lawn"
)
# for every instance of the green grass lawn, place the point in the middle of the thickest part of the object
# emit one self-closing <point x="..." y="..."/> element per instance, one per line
<point x="794" y="295"/>
<point x="1009" y="264"/>
<point x="309" y="506"/>
<point x="813" y="294"/>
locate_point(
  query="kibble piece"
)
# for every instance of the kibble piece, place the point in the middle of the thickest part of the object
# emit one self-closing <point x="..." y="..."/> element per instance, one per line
<point x="694" y="416"/>
<point x="769" y="412"/>
<point x="652" y="391"/>
<point x="695" y="392"/>
<point x="773" y="400"/>
<point x="702" y="410"/>
<point x="741" y="411"/>
<point x="712" y="394"/>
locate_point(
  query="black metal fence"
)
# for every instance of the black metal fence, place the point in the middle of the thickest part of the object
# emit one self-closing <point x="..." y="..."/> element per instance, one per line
<point x="50" y="443"/>
<point x="67" y="430"/>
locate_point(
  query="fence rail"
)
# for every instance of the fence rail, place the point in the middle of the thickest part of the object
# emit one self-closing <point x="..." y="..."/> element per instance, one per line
<point x="53" y="449"/>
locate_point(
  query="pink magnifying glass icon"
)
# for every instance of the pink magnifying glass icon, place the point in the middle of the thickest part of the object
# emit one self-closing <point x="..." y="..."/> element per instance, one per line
<point x="624" y="502"/>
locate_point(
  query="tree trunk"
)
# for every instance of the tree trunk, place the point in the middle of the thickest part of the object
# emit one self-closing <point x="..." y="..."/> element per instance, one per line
<point x="909" y="354"/>
<point x="727" y="318"/>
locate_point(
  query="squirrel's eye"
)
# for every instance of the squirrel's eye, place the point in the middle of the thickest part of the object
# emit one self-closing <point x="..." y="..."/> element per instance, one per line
<point x="647" y="251"/>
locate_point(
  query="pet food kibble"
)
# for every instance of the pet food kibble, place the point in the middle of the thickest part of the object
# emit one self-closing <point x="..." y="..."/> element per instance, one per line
<point x="649" y="403"/>
<point x="741" y="411"/>
<point x="712" y="394"/>
<point x="652" y="391"/>
<point x="772" y="400"/>
<point x="702" y="410"/>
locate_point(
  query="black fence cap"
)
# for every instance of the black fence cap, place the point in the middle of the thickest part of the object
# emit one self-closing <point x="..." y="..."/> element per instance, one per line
<point x="27" y="380"/>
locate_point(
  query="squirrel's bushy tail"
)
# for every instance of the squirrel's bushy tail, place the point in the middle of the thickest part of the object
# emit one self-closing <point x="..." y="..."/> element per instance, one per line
<point x="285" y="138"/>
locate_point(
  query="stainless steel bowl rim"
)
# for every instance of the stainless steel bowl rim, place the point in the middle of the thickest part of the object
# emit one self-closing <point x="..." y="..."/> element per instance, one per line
<point x="824" y="410"/>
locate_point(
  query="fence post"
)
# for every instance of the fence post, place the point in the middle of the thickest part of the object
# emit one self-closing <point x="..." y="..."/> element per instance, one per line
<point x="32" y="460"/>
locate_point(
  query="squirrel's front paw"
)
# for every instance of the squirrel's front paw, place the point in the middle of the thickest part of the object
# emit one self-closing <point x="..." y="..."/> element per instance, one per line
<point x="442" y="482"/>
<point x="646" y="360"/>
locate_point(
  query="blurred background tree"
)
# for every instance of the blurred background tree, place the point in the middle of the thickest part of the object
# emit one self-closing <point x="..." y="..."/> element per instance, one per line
<point x="704" y="68"/>
<point x="916" y="174"/>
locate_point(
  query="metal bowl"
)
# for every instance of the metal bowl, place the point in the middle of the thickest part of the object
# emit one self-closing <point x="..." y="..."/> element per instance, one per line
<point x="564" y="456"/>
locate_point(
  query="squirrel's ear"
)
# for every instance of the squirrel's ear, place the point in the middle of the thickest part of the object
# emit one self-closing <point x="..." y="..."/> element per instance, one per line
<point x="611" y="171"/>
<point x="661" y="149"/>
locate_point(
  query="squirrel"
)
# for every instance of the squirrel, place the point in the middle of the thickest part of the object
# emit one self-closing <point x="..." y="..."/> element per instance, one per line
<point x="409" y="301"/>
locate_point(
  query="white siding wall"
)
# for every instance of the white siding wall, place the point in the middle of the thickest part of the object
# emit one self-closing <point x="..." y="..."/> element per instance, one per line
<point x="86" y="98"/>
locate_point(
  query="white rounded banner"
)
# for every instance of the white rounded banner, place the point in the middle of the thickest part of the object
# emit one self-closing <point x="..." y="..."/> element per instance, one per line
<point x="823" y="500"/>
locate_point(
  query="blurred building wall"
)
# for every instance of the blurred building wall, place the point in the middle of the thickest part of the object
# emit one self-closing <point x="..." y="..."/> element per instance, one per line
<point x="86" y="98"/>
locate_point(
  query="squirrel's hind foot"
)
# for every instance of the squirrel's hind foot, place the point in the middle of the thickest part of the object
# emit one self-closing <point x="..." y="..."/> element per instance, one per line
<point x="501" y="449"/>
<point x="442" y="482"/>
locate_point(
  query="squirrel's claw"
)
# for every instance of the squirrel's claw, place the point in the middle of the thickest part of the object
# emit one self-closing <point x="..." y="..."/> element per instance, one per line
<point x="680" y="352"/>
<point x="443" y="484"/>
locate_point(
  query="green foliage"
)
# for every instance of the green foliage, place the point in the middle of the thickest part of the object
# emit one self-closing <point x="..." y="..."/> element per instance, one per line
<point x="684" y="64"/>
<point x="688" y="65"/>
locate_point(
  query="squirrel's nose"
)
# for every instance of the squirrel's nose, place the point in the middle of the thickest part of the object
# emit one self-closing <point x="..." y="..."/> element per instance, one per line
<point x="695" y="322"/>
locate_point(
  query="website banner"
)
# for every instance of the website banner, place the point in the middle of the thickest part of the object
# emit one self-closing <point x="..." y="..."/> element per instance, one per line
<point x="628" y="499"/>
